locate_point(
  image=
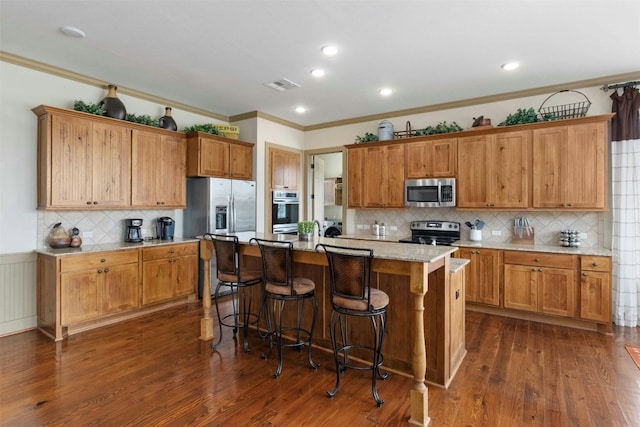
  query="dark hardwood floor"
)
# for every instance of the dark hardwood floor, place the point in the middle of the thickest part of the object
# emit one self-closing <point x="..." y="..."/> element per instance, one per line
<point x="155" y="371"/>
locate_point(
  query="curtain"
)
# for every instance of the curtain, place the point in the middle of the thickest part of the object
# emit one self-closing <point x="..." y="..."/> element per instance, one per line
<point x="625" y="156"/>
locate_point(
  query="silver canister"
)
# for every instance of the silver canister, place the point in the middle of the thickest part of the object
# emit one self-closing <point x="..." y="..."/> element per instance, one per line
<point x="385" y="130"/>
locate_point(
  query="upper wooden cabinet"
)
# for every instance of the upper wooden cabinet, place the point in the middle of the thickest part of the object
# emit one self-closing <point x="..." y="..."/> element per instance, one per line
<point x="431" y="158"/>
<point x="493" y="170"/>
<point x="570" y="166"/>
<point x="82" y="163"/>
<point x="215" y="156"/>
<point x="159" y="176"/>
<point x="285" y="169"/>
<point x="376" y="175"/>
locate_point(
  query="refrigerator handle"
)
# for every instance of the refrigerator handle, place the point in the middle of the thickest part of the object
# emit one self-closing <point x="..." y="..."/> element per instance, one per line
<point x="232" y="215"/>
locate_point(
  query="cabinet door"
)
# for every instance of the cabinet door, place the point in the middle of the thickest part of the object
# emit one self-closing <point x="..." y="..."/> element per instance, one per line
<point x="585" y="175"/>
<point x="509" y="182"/>
<point x="214" y="158"/>
<point x="285" y="169"/>
<point x="557" y="292"/>
<point x="355" y="170"/>
<point x="145" y="160"/>
<point x="482" y="275"/>
<point x="157" y="280"/>
<point x="473" y="171"/>
<point x="171" y="177"/>
<point x="428" y="159"/>
<point x="111" y="160"/>
<point x="80" y="295"/>
<point x="549" y="156"/>
<point x="121" y="290"/>
<point x="240" y="162"/>
<point x="384" y="179"/>
<point x="70" y="168"/>
<point x="520" y="287"/>
<point x="374" y="186"/>
<point x="185" y="274"/>
<point x="595" y="296"/>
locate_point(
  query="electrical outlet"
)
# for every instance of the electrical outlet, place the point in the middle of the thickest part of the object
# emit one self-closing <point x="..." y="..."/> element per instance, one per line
<point x="87" y="234"/>
<point x="366" y="226"/>
<point x="393" y="228"/>
<point x="583" y="236"/>
<point x="360" y="226"/>
<point x="144" y="231"/>
<point x="496" y="232"/>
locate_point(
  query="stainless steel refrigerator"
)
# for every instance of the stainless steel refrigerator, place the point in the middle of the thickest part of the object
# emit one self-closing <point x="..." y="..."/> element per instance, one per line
<point x="217" y="205"/>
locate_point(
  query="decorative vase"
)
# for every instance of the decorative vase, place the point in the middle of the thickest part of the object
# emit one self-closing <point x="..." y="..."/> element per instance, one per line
<point x="112" y="105"/>
<point x="58" y="238"/>
<point x="166" y="121"/>
<point x="305" y="237"/>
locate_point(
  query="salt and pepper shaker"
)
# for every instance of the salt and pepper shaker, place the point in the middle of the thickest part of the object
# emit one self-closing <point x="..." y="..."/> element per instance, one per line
<point x="383" y="230"/>
<point x="376" y="228"/>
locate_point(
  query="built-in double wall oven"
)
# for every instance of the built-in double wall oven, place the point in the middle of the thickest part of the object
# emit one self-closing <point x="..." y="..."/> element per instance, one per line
<point x="285" y="212"/>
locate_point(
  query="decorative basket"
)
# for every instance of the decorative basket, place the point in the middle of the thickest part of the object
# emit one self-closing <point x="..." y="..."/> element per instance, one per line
<point x="565" y="111"/>
<point x="404" y="133"/>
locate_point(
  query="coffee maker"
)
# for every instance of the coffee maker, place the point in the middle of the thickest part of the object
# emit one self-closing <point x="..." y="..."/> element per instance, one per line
<point x="164" y="228"/>
<point x="133" y="230"/>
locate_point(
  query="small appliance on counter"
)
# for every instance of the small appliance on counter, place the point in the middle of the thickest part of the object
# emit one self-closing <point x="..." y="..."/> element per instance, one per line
<point x="133" y="230"/>
<point x="165" y="227"/>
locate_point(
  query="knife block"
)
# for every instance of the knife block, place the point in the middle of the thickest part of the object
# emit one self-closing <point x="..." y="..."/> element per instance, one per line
<point x="525" y="239"/>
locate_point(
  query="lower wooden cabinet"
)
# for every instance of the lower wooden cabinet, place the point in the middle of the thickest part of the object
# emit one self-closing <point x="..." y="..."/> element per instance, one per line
<point x="169" y="271"/>
<point x="595" y="288"/>
<point x="97" y="284"/>
<point x="482" y="276"/>
<point x="538" y="282"/>
<point x="541" y="285"/>
<point x="79" y="291"/>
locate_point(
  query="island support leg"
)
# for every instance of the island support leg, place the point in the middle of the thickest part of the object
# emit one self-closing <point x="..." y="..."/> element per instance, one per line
<point x="206" y="322"/>
<point x="419" y="394"/>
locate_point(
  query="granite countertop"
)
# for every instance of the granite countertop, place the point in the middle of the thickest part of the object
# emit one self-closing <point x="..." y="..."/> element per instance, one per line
<point x="496" y="245"/>
<point x="534" y="248"/>
<point x="115" y="246"/>
<point x="457" y="263"/>
<point x="381" y="249"/>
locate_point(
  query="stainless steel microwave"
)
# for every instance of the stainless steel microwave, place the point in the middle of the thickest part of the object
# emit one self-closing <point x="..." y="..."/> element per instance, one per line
<point x="430" y="193"/>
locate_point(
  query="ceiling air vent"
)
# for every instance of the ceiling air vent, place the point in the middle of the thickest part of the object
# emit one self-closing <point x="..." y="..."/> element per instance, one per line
<point x="282" y="85"/>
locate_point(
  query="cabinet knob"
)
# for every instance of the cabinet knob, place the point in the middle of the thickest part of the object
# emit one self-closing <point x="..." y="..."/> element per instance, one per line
<point x="540" y="270"/>
<point x="537" y="260"/>
<point x="99" y="270"/>
<point x="584" y="273"/>
<point x="595" y="264"/>
<point x="88" y="202"/>
<point x="106" y="270"/>
<point x="533" y="269"/>
<point x="103" y="260"/>
<point x="95" y="203"/>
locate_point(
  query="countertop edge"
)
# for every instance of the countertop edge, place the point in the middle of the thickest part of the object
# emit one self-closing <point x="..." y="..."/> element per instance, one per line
<point x="114" y="246"/>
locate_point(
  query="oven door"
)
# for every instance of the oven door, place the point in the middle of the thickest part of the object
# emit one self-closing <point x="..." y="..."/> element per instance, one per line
<point x="285" y="214"/>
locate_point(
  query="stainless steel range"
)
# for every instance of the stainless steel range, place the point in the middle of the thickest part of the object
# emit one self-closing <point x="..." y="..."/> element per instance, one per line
<point x="433" y="233"/>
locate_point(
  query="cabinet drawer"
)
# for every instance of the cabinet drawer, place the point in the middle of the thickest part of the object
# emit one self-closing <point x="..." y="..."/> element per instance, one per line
<point x="595" y="263"/>
<point x="166" y="251"/>
<point x="540" y="259"/>
<point x="99" y="259"/>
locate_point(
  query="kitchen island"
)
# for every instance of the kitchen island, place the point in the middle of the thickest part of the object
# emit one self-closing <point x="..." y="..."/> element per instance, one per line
<point x="421" y="339"/>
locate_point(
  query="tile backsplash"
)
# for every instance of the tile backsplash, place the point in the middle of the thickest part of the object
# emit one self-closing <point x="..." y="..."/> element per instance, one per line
<point x="547" y="225"/>
<point x="106" y="226"/>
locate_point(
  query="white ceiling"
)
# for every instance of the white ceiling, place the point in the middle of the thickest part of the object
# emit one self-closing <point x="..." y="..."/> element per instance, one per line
<point x="216" y="55"/>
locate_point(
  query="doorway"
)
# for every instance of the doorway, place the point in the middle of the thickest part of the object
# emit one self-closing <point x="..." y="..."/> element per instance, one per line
<point x="324" y="184"/>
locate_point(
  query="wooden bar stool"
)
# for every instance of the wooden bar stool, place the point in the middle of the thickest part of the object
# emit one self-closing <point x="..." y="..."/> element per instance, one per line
<point x="280" y="287"/>
<point x="352" y="296"/>
<point x="241" y="281"/>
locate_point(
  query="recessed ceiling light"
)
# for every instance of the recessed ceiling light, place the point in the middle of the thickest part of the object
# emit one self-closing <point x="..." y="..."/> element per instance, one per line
<point x="385" y="91"/>
<point x="300" y="110"/>
<point x="317" y="72"/>
<point x="73" y="32"/>
<point x="329" y="50"/>
<point x="510" y="66"/>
